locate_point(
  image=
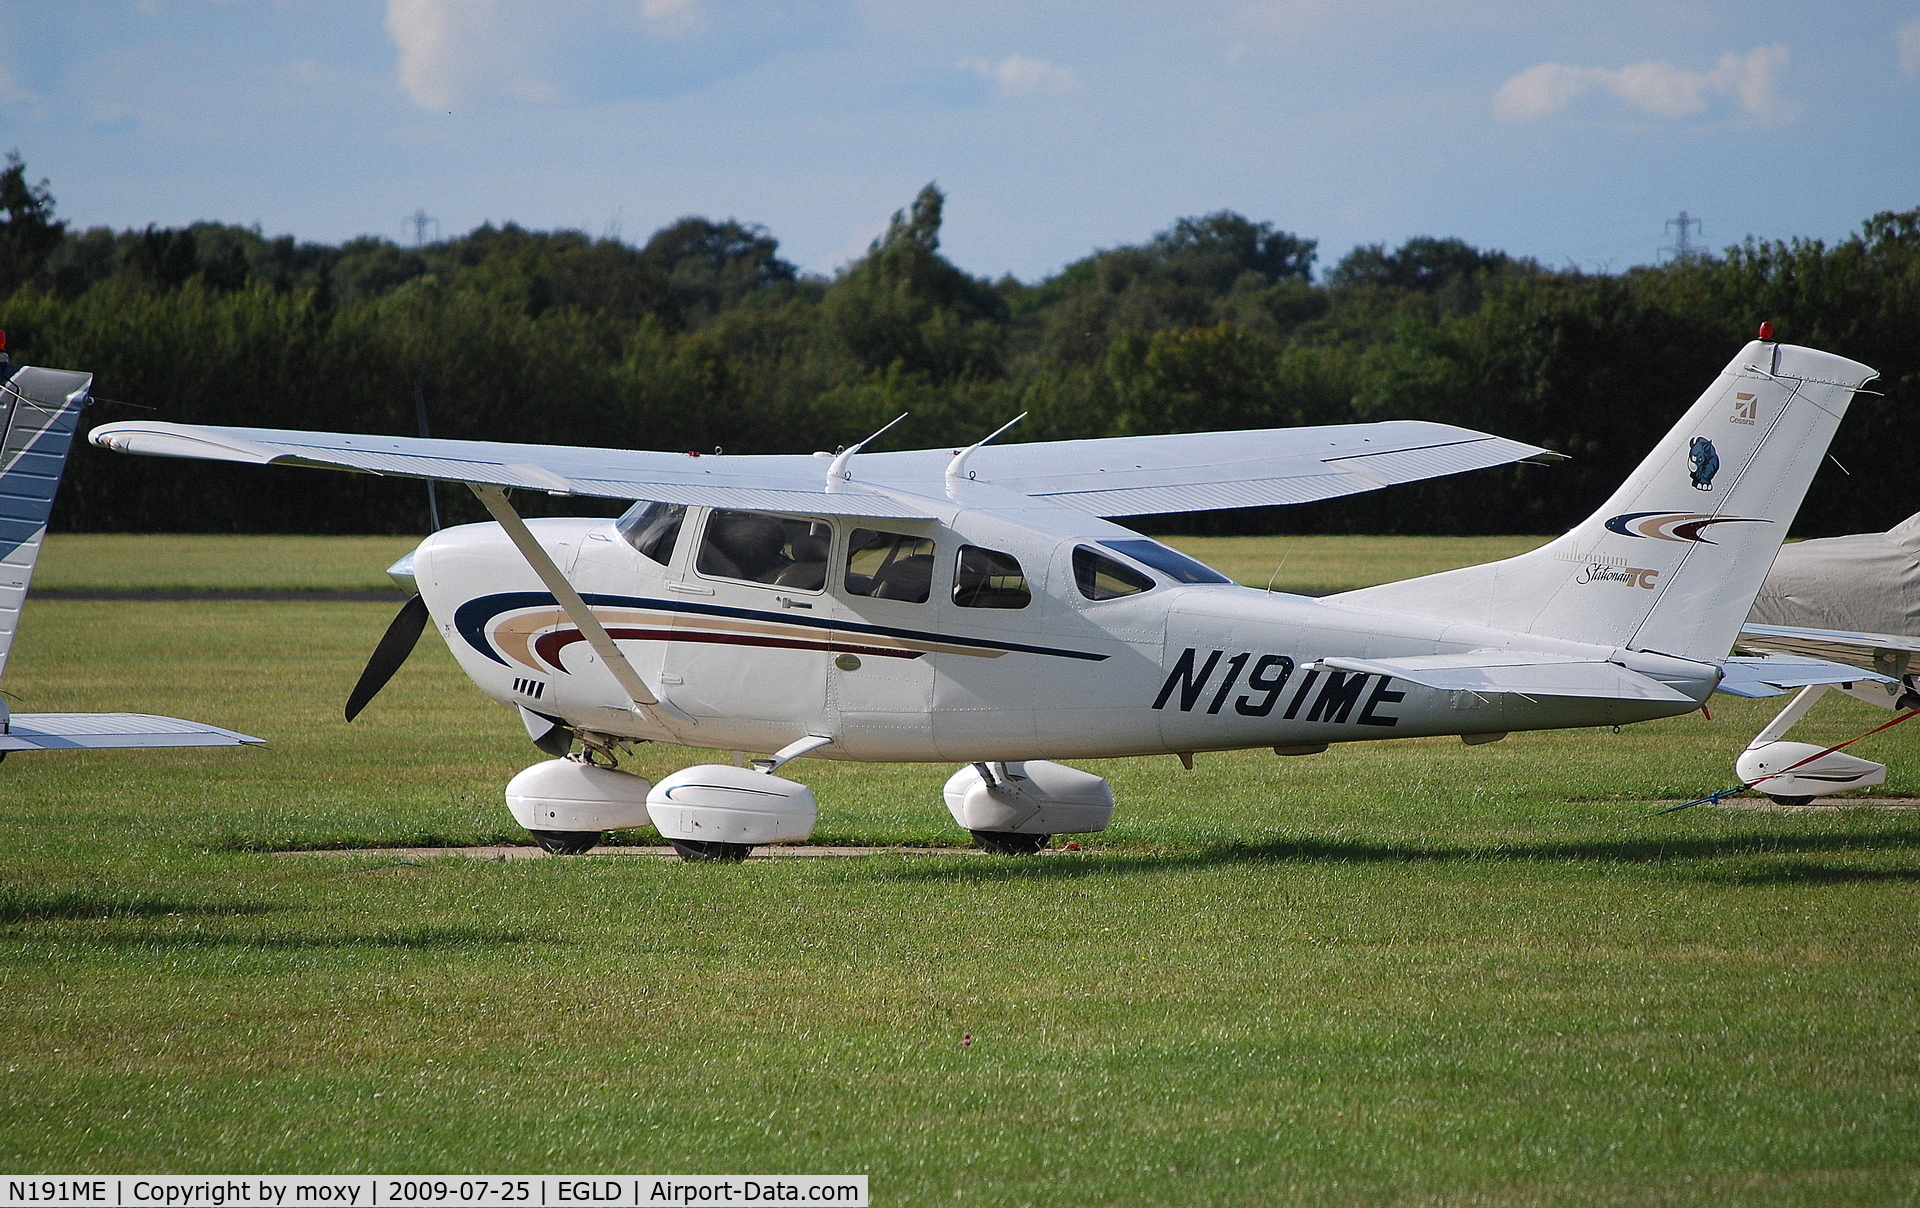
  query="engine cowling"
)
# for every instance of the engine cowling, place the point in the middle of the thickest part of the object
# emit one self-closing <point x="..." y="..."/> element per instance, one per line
<point x="1765" y="766"/>
<point x="566" y="795"/>
<point x="1038" y="797"/>
<point x="716" y="803"/>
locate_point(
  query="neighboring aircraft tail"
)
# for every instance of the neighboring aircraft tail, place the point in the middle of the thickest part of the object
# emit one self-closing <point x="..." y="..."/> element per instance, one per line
<point x="1674" y="560"/>
<point x="39" y="413"/>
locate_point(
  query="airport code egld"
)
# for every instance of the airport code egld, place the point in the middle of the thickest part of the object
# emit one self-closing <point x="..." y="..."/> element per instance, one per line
<point x="482" y="1191"/>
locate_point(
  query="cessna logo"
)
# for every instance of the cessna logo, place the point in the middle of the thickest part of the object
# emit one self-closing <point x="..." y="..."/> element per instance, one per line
<point x="1674" y="526"/>
<point x="1338" y="691"/>
<point x="1746" y="408"/>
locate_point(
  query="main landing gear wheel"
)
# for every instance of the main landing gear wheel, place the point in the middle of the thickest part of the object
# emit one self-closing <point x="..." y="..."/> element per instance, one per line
<point x="566" y="843"/>
<point x="705" y="849"/>
<point x="1778" y="800"/>
<point x="1009" y="843"/>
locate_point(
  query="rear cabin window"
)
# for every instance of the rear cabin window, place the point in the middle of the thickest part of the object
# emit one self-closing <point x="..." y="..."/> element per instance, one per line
<point x="652" y="528"/>
<point x="756" y="547"/>
<point x="1101" y="578"/>
<point x="889" y="566"/>
<point x="1168" y="561"/>
<point x="984" y="578"/>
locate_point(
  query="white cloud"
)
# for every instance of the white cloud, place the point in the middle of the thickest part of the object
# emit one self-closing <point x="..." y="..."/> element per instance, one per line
<point x="449" y="48"/>
<point x="1018" y="74"/>
<point x="673" y="18"/>
<point x="443" y="45"/>
<point x="1752" y="80"/>
<point x="1909" y="41"/>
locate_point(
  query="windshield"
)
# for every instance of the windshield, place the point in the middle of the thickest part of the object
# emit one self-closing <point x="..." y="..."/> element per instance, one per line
<point x="652" y="528"/>
<point x="1169" y="562"/>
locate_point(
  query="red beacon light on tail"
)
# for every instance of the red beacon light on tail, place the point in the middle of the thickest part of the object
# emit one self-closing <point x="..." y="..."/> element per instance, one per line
<point x="1766" y="330"/>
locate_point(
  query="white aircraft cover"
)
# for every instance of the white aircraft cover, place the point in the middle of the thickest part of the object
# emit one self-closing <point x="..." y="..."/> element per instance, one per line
<point x="1865" y="583"/>
<point x="71" y="731"/>
<point x="1120" y="476"/>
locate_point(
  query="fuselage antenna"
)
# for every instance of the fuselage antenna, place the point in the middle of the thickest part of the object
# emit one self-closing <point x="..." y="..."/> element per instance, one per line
<point x="957" y="468"/>
<point x="842" y="468"/>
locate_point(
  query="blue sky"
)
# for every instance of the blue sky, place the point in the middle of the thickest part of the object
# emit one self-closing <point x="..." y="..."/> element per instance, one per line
<point x="1568" y="132"/>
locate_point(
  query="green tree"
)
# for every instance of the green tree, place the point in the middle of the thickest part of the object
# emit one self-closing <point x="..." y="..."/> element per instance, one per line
<point x="28" y="232"/>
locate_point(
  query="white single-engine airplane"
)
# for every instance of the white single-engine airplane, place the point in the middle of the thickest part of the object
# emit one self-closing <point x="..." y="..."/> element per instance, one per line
<point x="39" y="412"/>
<point x="973" y="606"/>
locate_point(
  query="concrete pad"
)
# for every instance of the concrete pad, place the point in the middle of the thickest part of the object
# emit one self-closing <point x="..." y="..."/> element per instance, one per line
<point x="417" y="855"/>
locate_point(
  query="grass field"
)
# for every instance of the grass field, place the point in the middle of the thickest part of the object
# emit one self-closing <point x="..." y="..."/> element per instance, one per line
<point x="1407" y="972"/>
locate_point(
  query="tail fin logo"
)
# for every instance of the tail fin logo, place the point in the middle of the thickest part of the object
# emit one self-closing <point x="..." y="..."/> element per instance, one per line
<point x="1674" y="526"/>
<point x="1746" y="408"/>
<point x="1704" y="462"/>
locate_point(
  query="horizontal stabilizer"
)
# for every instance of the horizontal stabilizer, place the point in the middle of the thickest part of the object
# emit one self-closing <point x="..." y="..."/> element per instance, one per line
<point x="1770" y="675"/>
<point x="88" y="731"/>
<point x="1517" y="672"/>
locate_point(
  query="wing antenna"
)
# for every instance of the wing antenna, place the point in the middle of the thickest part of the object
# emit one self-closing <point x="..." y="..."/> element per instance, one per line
<point x="841" y="470"/>
<point x="957" y="468"/>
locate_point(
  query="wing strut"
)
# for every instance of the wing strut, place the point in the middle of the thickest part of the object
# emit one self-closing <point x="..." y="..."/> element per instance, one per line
<point x="644" y="701"/>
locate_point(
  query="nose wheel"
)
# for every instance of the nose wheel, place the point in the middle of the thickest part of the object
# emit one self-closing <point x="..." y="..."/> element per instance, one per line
<point x="566" y="843"/>
<point x="1009" y="843"/>
<point x="708" y="851"/>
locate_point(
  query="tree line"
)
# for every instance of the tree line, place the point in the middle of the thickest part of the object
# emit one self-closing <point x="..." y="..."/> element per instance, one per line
<point x="703" y="338"/>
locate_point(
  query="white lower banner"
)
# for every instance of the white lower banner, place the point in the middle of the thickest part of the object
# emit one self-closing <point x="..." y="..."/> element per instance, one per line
<point x="392" y="1191"/>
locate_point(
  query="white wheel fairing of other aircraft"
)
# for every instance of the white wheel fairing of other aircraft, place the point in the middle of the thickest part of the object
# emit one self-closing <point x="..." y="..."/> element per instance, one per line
<point x="976" y="606"/>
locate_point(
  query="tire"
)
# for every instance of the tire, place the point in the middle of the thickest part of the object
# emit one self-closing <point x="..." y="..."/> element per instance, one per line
<point x="1789" y="800"/>
<point x="566" y="843"/>
<point x="711" y="852"/>
<point x="1009" y="843"/>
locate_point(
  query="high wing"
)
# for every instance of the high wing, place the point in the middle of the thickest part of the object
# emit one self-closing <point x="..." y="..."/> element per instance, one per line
<point x="94" y="731"/>
<point x="1119" y="476"/>
<point x="1202" y="471"/>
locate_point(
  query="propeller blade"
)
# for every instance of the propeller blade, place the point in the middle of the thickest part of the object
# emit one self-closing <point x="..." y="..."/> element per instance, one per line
<point x="395" y="645"/>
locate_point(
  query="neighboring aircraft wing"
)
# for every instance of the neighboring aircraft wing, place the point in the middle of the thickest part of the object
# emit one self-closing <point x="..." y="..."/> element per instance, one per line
<point x="1119" y="476"/>
<point x="74" y="731"/>
<point x="1872" y="651"/>
<point x="1773" y="674"/>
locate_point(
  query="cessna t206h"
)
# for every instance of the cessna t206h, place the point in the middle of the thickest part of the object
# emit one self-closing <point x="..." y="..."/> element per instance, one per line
<point x="975" y="606"/>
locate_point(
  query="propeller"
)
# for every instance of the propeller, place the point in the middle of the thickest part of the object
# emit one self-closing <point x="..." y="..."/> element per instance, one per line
<point x="395" y="645"/>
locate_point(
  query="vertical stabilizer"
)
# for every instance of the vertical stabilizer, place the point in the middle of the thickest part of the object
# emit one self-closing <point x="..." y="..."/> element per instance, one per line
<point x="39" y="412"/>
<point x="1673" y="561"/>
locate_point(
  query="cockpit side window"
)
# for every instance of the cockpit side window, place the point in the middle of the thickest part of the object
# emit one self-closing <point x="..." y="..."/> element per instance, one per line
<point x="984" y="578"/>
<point x="758" y="548"/>
<point x="1101" y="578"/>
<point x="652" y="528"/>
<point x="889" y="566"/>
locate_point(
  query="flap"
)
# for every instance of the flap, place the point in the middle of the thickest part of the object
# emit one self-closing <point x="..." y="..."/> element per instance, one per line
<point x="1772" y="674"/>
